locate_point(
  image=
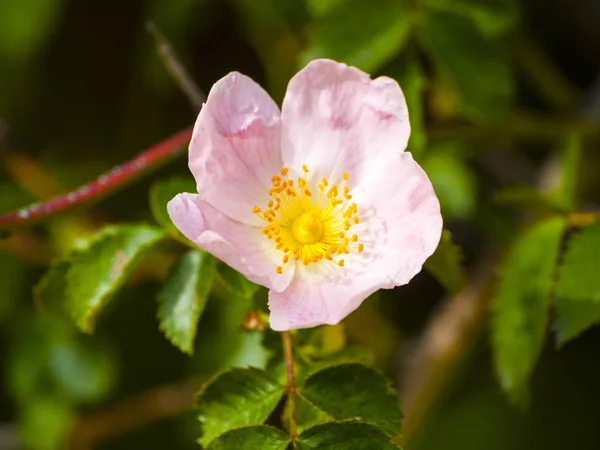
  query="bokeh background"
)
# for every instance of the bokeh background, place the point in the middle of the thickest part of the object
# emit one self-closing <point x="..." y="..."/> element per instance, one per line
<point x="499" y="91"/>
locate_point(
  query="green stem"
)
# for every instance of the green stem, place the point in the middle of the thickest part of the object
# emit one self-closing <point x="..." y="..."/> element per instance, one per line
<point x="291" y="386"/>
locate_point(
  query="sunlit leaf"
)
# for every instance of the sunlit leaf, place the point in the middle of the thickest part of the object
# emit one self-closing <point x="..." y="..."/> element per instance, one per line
<point x="251" y="438"/>
<point x="183" y="297"/>
<point x="578" y="285"/>
<point x="521" y="303"/>
<point x="361" y="34"/>
<point x="357" y="392"/>
<point x="345" y="436"/>
<point x="100" y="268"/>
<point x="236" y="398"/>
<point x="446" y="264"/>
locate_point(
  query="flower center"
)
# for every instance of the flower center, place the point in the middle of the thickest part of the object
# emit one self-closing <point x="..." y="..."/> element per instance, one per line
<point x="306" y="227"/>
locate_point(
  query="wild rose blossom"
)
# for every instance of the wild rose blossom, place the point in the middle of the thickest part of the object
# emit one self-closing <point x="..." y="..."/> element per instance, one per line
<point x="319" y="202"/>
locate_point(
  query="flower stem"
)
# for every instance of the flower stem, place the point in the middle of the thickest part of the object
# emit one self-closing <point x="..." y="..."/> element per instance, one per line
<point x="110" y="181"/>
<point x="291" y="386"/>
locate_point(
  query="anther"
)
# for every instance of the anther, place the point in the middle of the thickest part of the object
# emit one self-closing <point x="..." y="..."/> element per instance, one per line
<point x="345" y="175"/>
<point x="341" y="263"/>
<point x="361" y="247"/>
<point x="256" y="210"/>
<point x="304" y="168"/>
<point x="284" y="171"/>
<point x="279" y="270"/>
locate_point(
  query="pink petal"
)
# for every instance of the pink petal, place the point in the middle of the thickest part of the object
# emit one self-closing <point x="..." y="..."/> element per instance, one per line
<point x="400" y="226"/>
<point x="234" y="150"/>
<point x="321" y="297"/>
<point x="401" y="217"/>
<point x="241" y="246"/>
<point x="335" y="118"/>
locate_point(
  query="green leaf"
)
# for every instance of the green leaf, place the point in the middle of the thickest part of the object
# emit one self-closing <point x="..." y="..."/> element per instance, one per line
<point x="84" y="371"/>
<point x="307" y="415"/>
<point x="49" y="293"/>
<point x="454" y="184"/>
<point x="26" y="25"/>
<point x="320" y="7"/>
<point x="413" y="82"/>
<point x="493" y="17"/>
<point x="183" y="297"/>
<point x="100" y="268"/>
<point x="251" y="438"/>
<point x="354" y="391"/>
<point x="235" y="283"/>
<point x="161" y="193"/>
<point x="578" y="285"/>
<point x="345" y="436"/>
<point x="236" y="398"/>
<point x="362" y="34"/>
<point x="476" y="66"/>
<point x="521" y="302"/>
<point x="565" y="193"/>
<point x="446" y="264"/>
<point x="45" y="424"/>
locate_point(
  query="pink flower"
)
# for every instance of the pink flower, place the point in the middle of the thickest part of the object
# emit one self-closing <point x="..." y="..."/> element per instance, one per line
<point x="319" y="203"/>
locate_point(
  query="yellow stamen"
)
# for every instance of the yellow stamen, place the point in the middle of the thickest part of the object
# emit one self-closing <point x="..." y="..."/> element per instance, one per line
<point x="310" y="228"/>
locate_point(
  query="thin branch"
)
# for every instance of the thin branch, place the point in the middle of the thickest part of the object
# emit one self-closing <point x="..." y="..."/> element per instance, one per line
<point x="133" y="413"/>
<point x="291" y="386"/>
<point x="175" y="68"/>
<point x="111" y="181"/>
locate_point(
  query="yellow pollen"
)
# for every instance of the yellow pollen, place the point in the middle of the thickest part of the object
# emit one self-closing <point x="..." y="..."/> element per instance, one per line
<point x="311" y="229"/>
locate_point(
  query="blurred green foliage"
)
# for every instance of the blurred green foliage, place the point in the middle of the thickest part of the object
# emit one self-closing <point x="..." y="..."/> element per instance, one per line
<point x="492" y="88"/>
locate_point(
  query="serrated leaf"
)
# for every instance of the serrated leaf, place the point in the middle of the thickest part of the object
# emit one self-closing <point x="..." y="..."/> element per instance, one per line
<point x="362" y="34"/>
<point x="236" y="398"/>
<point x="183" y="297"/>
<point x="492" y="17"/>
<point x="475" y="65"/>
<point x="251" y="438"/>
<point x="307" y="415"/>
<point x="161" y="193"/>
<point x="345" y="436"/>
<point x="446" y="264"/>
<point x="578" y="285"/>
<point x="521" y="303"/>
<point x="100" y="268"/>
<point x="354" y="391"/>
<point x="235" y="283"/>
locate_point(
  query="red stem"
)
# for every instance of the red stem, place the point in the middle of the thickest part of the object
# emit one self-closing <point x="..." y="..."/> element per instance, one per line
<point x="110" y="181"/>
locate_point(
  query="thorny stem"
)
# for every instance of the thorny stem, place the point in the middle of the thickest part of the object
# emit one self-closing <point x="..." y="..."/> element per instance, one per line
<point x="291" y="386"/>
<point x="153" y="157"/>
